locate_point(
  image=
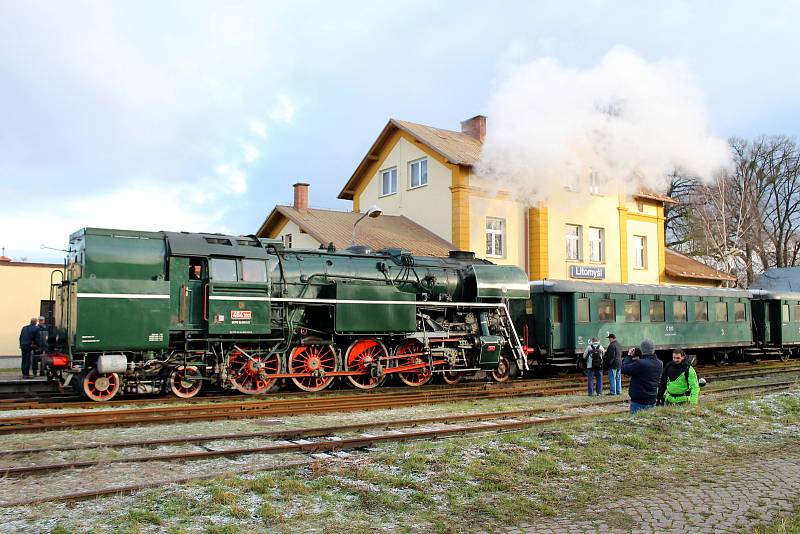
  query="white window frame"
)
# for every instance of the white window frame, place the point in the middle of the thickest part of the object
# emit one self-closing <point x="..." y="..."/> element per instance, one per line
<point x="411" y="164"/>
<point x="287" y="240"/>
<point x="491" y="248"/>
<point x="571" y="182"/>
<point x="640" y="252"/>
<point x="577" y="238"/>
<point x="594" y="182"/>
<point x="598" y="245"/>
<point x="392" y="172"/>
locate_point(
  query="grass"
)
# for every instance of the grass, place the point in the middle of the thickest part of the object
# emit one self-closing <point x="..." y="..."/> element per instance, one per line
<point x="487" y="481"/>
<point x="783" y="524"/>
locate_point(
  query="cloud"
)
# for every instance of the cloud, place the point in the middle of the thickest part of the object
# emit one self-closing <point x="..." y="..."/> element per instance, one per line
<point x="258" y="128"/>
<point x="234" y="178"/>
<point x="251" y="153"/>
<point x="284" y="111"/>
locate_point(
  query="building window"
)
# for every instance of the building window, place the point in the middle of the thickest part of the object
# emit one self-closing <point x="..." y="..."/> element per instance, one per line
<point x="287" y="240"/>
<point x="606" y="311"/>
<point x="679" y="311"/>
<point x="633" y="311"/>
<point x="418" y="171"/>
<point x="495" y="237"/>
<point x="597" y="252"/>
<point x="573" y="242"/>
<point x="583" y="310"/>
<point x="571" y="182"/>
<point x="594" y="182"/>
<point x="639" y="206"/>
<point x="640" y="252"/>
<point x="739" y="311"/>
<point x="701" y="311"/>
<point x="389" y="181"/>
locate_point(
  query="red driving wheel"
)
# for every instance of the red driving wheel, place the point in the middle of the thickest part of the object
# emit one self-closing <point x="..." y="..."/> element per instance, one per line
<point x="368" y="357"/>
<point x="412" y="352"/>
<point x="315" y="359"/>
<point x="249" y="370"/>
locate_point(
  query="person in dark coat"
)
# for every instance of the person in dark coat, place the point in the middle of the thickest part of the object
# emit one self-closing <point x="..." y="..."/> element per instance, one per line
<point x="645" y="373"/>
<point x="27" y="337"/>
<point x="613" y="359"/>
<point x="39" y="348"/>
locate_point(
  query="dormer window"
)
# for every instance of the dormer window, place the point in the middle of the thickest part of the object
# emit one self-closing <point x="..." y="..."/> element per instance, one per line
<point x="389" y="181"/>
<point x="418" y="173"/>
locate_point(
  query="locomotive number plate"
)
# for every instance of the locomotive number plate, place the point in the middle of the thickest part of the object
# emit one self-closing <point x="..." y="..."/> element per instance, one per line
<point x="241" y="314"/>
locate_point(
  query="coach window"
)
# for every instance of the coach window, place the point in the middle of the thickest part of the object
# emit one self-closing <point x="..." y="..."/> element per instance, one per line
<point x="656" y="311"/>
<point x="254" y="271"/>
<point x="679" y="311"/>
<point x="722" y="311"/>
<point x="633" y="311"/>
<point x="739" y="311"/>
<point x="797" y="313"/>
<point x="701" y="311"/>
<point x="785" y="313"/>
<point x="223" y="270"/>
<point x="583" y="310"/>
<point x="606" y="311"/>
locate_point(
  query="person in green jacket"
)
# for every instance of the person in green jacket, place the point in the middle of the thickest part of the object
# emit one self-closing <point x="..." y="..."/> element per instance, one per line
<point x="679" y="384"/>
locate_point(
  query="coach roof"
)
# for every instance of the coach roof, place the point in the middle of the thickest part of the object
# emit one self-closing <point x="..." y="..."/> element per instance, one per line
<point x="568" y="286"/>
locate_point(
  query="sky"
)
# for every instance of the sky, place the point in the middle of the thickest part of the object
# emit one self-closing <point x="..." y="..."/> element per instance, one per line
<point x="200" y="116"/>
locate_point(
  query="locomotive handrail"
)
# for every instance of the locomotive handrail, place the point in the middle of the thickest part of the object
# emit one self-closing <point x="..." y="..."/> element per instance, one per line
<point x="185" y="291"/>
<point x="205" y="302"/>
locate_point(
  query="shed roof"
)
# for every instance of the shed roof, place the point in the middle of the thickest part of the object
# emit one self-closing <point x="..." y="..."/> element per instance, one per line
<point x="681" y="266"/>
<point x="782" y="283"/>
<point x="386" y="231"/>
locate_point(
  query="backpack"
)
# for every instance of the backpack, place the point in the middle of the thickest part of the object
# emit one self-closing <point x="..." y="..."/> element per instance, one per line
<point x="596" y="358"/>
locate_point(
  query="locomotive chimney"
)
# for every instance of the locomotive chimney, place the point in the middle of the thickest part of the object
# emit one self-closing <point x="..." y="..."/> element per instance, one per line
<point x="475" y="127"/>
<point x="300" y="196"/>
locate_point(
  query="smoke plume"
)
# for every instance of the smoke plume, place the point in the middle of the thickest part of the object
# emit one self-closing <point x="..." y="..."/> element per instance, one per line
<point x="627" y="121"/>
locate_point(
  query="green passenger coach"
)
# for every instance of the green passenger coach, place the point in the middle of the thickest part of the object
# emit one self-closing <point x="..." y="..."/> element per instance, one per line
<point x="563" y="316"/>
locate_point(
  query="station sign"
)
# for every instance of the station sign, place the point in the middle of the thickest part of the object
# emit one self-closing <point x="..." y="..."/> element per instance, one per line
<point x="587" y="272"/>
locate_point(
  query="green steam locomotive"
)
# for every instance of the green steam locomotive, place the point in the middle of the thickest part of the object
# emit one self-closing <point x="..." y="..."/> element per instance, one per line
<point x="149" y="312"/>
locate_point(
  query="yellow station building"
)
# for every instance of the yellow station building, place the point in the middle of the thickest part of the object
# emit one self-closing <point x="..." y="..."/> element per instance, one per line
<point x="23" y="288"/>
<point x="427" y="175"/>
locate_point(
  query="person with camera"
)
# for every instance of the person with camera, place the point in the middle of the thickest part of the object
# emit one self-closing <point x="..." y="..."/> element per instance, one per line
<point x="645" y="373"/>
<point x="679" y="383"/>
<point x="593" y="356"/>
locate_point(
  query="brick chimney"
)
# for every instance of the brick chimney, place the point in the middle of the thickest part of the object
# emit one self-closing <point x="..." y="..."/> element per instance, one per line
<point x="475" y="127"/>
<point x="300" y="196"/>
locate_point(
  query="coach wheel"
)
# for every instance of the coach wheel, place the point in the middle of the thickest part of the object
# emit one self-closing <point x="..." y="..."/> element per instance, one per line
<point x="367" y="356"/>
<point x="315" y="359"/>
<point x="99" y="387"/>
<point x="249" y="370"/>
<point x="785" y="355"/>
<point x="505" y="369"/>
<point x="412" y="352"/>
<point x="186" y="381"/>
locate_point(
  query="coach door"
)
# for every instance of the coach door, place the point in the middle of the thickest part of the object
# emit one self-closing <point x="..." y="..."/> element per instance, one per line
<point x="556" y="321"/>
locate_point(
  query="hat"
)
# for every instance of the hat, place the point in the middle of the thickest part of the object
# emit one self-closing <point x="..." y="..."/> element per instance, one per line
<point x="41" y="318"/>
<point x="611" y="336"/>
<point x="647" y="346"/>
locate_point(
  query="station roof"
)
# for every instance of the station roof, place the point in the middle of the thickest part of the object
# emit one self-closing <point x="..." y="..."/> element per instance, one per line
<point x="680" y="266"/>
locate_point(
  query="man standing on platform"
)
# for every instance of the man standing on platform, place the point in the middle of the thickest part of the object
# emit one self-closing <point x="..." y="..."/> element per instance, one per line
<point x="27" y="337"/>
<point x="613" y="360"/>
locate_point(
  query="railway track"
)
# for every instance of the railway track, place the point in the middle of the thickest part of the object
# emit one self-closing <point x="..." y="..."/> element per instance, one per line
<point x="58" y="400"/>
<point x="300" y="404"/>
<point x="481" y="423"/>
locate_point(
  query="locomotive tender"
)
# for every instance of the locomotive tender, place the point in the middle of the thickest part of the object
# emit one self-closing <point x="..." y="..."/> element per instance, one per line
<point x="145" y="312"/>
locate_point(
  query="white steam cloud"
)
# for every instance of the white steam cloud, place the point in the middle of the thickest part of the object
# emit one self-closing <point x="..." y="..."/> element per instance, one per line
<point x="628" y="121"/>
